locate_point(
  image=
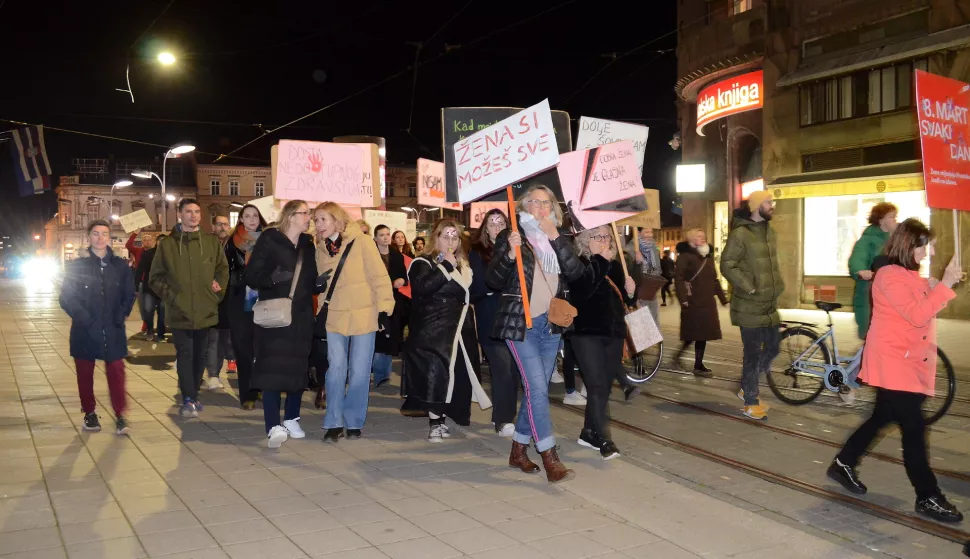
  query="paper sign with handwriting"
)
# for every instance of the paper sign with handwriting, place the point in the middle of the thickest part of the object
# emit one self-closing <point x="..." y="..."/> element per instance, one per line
<point x="136" y="220"/>
<point x="479" y="209"/>
<point x="572" y="171"/>
<point x="597" y="132"/>
<point x="319" y="172"/>
<point x="370" y="197"/>
<point x="396" y="221"/>
<point x="611" y="176"/>
<point x="268" y="208"/>
<point x="431" y="185"/>
<point x="507" y="152"/>
<point x="412" y="230"/>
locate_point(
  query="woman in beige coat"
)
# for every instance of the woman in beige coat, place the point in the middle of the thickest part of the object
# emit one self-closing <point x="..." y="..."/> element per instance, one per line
<point x="358" y="310"/>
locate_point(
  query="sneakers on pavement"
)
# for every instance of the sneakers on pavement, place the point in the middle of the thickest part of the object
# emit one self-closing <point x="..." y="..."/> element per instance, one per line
<point x="353" y="434"/>
<point x="445" y="432"/>
<point x="703" y="371"/>
<point x="293" y="428"/>
<point x="608" y="450"/>
<point x="215" y="384"/>
<point x="847" y="394"/>
<point x="91" y="423"/>
<point x="507" y="431"/>
<point x="583" y="393"/>
<point x="436" y="434"/>
<point x="589" y="439"/>
<point x="741" y="395"/>
<point x="630" y="393"/>
<point x="847" y="477"/>
<point x="277" y="436"/>
<point x="332" y="435"/>
<point x="188" y="409"/>
<point x="574" y="399"/>
<point x="122" y="427"/>
<point x="938" y="508"/>
<point x="556" y="378"/>
<point x="755" y="412"/>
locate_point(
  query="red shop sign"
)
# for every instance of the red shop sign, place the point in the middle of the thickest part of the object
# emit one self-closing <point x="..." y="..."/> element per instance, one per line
<point x="728" y="97"/>
<point x="942" y="106"/>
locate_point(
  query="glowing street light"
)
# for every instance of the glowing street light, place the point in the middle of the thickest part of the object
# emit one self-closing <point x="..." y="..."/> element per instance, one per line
<point x="174" y="151"/>
<point x="120" y="184"/>
<point x="166" y="58"/>
<point x="170" y="197"/>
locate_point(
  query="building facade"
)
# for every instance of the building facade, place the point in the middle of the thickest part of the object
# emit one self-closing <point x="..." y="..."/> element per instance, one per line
<point x="830" y="130"/>
<point x="224" y="189"/>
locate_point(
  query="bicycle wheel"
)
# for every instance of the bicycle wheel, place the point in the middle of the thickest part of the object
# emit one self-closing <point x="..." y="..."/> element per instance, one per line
<point x="645" y="364"/>
<point x="789" y="384"/>
<point x="946" y="387"/>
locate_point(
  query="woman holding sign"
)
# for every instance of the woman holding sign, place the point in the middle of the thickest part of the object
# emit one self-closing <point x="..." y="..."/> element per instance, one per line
<point x="600" y="331"/>
<point x="549" y="263"/>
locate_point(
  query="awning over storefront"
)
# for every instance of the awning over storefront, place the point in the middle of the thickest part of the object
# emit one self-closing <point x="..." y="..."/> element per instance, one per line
<point x="871" y="179"/>
<point x="957" y="37"/>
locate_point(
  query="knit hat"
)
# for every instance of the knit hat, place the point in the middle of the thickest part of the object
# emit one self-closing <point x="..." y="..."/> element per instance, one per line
<point x="757" y="198"/>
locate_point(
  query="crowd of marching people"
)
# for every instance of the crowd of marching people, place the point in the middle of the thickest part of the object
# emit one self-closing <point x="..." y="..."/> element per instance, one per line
<point x="332" y="308"/>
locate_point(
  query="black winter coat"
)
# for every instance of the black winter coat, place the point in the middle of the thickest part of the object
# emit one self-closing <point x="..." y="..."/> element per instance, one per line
<point x="388" y="342"/>
<point x="699" y="320"/>
<point x="441" y="327"/>
<point x="503" y="277"/>
<point x="486" y="301"/>
<point x="142" y="270"/>
<point x="600" y="309"/>
<point x="98" y="294"/>
<point x="281" y="355"/>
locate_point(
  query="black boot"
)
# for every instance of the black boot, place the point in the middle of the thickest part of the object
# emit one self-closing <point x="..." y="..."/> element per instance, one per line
<point x="847" y="477"/>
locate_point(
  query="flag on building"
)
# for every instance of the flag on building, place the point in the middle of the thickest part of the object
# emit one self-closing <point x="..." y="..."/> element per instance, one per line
<point x="677" y="207"/>
<point x="31" y="166"/>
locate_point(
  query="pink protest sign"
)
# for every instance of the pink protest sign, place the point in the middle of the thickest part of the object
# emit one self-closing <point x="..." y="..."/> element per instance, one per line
<point x="431" y="185"/>
<point x="479" y="209"/>
<point x="319" y="172"/>
<point x="505" y="153"/>
<point x="613" y="175"/>
<point x="573" y="173"/>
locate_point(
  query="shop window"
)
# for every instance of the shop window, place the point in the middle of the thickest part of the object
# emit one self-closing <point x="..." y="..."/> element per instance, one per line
<point x="833" y="224"/>
<point x="739" y="6"/>
<point x="862" y="94"/>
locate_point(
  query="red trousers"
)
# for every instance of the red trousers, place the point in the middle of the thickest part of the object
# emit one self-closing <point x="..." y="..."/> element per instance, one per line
<point x="115" y="372"/>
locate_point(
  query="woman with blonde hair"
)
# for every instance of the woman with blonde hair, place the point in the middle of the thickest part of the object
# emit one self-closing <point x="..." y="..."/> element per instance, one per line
<point x="441" y="354"/>
<point x="549" y="263"/>
<point x="351" y="312"/>
<point x="697" y="286"/>
<point x="282" y="266"/>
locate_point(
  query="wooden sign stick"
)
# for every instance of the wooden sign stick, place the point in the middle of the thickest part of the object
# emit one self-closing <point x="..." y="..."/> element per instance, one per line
<point x="518" y="259"/>
<point x="619" y="249"/>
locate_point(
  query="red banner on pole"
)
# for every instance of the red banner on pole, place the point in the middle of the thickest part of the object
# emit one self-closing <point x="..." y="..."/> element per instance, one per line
<point x="943" y="105"/>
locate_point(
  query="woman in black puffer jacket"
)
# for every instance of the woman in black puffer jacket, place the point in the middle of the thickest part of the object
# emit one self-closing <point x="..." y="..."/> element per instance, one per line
<point x="548" y="259"/>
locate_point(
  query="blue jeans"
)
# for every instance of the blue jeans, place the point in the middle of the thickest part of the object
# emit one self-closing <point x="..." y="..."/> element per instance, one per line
<point x="151" y="305"/>
<point x="381" y="367"/>
<point x="348" y="380"/>
<point x="271" y="407"/>
<point x="536" y="359"/>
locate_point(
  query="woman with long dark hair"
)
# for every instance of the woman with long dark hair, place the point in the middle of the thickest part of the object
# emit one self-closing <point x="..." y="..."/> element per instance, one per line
<point x="241" y="298"/>
<point x="900" y="362"/>
<point x="400" y="241"/>
<point x="505" y="376"/>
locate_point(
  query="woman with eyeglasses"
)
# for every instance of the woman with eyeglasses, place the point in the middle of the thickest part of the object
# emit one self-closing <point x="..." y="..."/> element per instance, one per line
<point x="241" y="298"/>
<point x="549" y="263"/>
<point x="441" y="354"/>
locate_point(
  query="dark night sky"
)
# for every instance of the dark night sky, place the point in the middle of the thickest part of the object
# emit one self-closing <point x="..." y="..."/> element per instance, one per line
<point x="244" y="63"/>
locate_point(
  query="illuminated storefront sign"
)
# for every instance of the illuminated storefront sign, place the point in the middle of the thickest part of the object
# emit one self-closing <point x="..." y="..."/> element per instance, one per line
<point x="728" y="97"/>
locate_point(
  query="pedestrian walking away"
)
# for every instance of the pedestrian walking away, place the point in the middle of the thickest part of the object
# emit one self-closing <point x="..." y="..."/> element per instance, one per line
<point x="283" y="266"/>
<point x="750" y="263"/>
<point x="241" y="298"/>
<point x="900" y="362"/>
<point x="149" y="302"/>
<point x="98" y="294"/>
<point x="697" y="287"/>
<point x="190" y="273"/>
<point x="360" y="306"/>
<point x="549" y="263"/>
<point x="441" y="353"/>
<point x="667" y="267"/>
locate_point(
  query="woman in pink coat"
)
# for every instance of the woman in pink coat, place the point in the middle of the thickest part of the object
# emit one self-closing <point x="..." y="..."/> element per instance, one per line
<point x="900" y="362"/>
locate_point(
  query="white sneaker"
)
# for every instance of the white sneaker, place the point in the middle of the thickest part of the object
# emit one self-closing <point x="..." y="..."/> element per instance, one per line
<point x="436" y="434"/>
<point x="556" y="378"/>
<point x="277" y="436"/>
<point x="292" y="427"/>
<point x="574" y="399"/>
<point x="215" y="384"/>
<point x="507" y="431"/>
<point x="445" y="432"/>
<point x="583" y="392"/>
<point x="848" y="396"/>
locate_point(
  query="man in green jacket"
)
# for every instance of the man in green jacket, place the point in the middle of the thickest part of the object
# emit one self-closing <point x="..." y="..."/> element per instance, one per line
<point x="750" y="263"/>
<point x="190" y="274"/>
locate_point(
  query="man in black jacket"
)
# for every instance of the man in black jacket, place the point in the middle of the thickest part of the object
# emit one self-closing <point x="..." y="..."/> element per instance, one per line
<point x="150" y="302"/>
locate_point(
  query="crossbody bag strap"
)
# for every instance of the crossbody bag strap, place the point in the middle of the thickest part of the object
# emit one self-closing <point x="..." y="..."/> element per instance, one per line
<point x="618" y="293"/>
<point x="296" y="273"/>
<point x="336" y="273"/>
<point x="688" y="282"/>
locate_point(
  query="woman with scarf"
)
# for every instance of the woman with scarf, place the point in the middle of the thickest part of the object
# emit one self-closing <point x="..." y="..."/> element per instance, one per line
<point x="646" y="257"/>
<point x="241" y="298"/>
<point x="549" y="263"/>
<point x="697" y="285"/>
<point x="441" y="353"/>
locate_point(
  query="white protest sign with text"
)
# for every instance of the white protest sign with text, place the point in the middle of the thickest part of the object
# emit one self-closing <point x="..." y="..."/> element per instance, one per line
<point x="412" y="230"/>
<point x="597" y="132"/>
<point x="268" y="208"/>
<point x="612" y="176"/>
<point x="136" y="220"/>
<point x="431" y="185"/>
<point x="572" y="173"/>
<point x="507" y="152"/>
<point x="319" y="172"/>
<point x="396" y="221"/>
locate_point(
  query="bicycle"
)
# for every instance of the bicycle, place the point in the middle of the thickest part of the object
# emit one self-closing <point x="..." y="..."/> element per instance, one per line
<point x="817" y="367"/>
<point x="645" y="364"/>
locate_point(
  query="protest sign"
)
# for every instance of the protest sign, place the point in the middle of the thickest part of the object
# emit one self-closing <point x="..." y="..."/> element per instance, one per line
<point x="943" y="105"/>
<point x="136" y="220"/>
<point x="649" y="219"/>
<point x="431" y="185"/>
<point x="267" y="207"/>
<point x="595" y="132"/>
<point x="573" y="167"/>
<point x="319" y="172"/>
<point x="461" y="122"/>
<point x="611" y="176"/>
<point x="479" y="209"/>
<point x="412" y="230"/>
<point x="396" y="221"/>
<point x="509" y="151"/>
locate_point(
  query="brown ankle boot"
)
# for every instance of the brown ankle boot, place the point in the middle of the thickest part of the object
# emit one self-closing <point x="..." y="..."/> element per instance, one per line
<point x="555" y="471"/>
<point x="519" y="458"/>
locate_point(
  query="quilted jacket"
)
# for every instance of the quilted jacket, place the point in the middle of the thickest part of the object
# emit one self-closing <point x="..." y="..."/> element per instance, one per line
<point x="750" y="263"/>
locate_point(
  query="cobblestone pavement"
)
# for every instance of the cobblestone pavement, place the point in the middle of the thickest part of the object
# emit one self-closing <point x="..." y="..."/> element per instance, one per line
<point x="209" y="488"/>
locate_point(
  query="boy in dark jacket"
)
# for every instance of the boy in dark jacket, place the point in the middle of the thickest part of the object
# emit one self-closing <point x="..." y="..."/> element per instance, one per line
<point x="98" y="294"/>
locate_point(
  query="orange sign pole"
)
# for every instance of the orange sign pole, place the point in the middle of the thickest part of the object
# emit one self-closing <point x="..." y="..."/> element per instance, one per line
<point x="518" y="259"/>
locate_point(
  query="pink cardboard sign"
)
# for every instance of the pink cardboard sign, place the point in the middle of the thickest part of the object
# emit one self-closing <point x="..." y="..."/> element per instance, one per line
<point x="431" y="185"/>
<point x="479" y="209"/>
<point x="614" y="175"/>
<point x="573" y="173"/>
<point x="319" y="172"/>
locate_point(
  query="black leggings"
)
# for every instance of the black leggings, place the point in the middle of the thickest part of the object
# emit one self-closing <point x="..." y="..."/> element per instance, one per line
<point x="699" y="348"/>
<point x="569" y="366"/>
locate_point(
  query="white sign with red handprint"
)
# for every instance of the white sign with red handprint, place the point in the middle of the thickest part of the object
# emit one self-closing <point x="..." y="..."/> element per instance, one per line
<point x="319" y="172"/>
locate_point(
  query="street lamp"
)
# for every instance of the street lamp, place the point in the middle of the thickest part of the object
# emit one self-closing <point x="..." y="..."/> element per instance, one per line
<point x="111" y="204"/>
<point x="174" y="151"/>
<point x="166" y="58"/>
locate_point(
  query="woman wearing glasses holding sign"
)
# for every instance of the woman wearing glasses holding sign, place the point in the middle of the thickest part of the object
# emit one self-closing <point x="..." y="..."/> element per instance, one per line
<point x="549" y="263"/>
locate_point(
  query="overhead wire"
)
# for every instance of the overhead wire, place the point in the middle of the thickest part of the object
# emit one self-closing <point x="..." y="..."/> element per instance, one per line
<point x="152" y="24"/>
